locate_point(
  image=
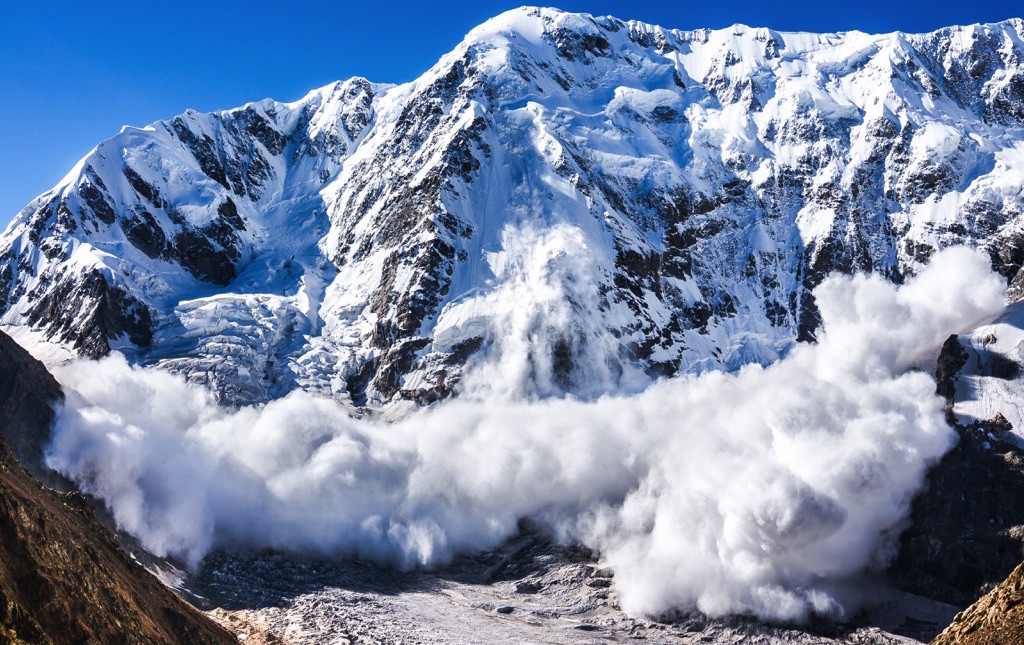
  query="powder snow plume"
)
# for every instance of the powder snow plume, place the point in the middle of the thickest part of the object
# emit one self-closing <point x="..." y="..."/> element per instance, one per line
<point x="771" y="491"/>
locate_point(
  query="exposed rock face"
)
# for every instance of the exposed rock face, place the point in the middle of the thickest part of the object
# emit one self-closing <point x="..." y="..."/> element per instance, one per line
<point x="679" y="192"/>
<point x="967" y="527"/>
<point x="997" y="618"/>
<point x="63" y="577"/>
<point x="28" y="394"/>
<point x="967" y="531"/>
<point x="952" y="358"/>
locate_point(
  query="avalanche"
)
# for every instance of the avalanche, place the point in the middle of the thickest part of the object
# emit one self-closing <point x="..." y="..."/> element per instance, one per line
<point x="771" y="491"/>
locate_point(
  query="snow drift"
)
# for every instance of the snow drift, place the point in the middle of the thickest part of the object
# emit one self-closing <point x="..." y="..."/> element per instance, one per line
<point x="771" y="490"/>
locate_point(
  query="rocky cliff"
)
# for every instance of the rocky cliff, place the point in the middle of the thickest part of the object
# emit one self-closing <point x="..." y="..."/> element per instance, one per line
<point x="997" y="618"/>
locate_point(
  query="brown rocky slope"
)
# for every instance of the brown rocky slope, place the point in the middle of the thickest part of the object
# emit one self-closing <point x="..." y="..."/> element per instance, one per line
<point x="996" y="619"/>
<point x="63" y="577"/>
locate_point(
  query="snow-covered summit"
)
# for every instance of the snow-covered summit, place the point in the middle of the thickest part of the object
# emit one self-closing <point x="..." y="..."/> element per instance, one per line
<point x="590" y="203"/>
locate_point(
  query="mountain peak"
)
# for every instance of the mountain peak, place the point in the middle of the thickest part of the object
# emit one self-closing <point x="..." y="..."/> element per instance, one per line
<point x="532" y="23"/>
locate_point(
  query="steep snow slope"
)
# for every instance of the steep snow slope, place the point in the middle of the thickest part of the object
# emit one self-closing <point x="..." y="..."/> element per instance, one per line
<point x="590" y="203"/>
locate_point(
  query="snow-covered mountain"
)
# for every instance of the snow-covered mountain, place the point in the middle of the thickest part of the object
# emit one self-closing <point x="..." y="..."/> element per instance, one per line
<point x="591" y="203"/>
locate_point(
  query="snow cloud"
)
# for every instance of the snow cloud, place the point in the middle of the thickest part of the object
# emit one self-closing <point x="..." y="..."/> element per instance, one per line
<point x="771" y="490"/>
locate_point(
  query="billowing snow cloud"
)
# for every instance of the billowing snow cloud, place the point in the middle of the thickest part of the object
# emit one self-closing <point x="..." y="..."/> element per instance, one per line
<point x="771" y="490"/>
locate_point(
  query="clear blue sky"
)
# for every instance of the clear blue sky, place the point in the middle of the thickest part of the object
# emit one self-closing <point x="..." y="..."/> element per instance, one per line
<point x="72" y="73"/>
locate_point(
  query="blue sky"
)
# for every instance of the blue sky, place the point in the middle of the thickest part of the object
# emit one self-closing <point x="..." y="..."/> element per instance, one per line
<point x="72" y="73"/>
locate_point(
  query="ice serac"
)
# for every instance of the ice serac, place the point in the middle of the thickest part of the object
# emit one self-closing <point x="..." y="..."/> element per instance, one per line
<point x="595" y="202"/>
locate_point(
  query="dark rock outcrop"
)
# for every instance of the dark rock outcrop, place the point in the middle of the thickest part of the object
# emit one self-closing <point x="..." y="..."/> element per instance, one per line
<point x="967" y="526"/>
<point x="87" y="312"/>
<point x="28" y="394"/>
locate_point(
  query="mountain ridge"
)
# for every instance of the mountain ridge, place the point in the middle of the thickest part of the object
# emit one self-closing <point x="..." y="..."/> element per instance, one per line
<point x="694" y="185"/>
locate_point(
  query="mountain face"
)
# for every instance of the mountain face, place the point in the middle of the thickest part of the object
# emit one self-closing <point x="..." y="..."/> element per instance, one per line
<point x="604" y="202"/>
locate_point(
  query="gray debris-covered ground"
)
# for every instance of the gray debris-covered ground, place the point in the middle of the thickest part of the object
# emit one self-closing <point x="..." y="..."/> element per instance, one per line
<point x="529" y="590"/>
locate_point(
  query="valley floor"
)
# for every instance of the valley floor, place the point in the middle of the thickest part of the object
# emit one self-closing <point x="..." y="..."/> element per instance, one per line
<point x="528" y="591"/>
